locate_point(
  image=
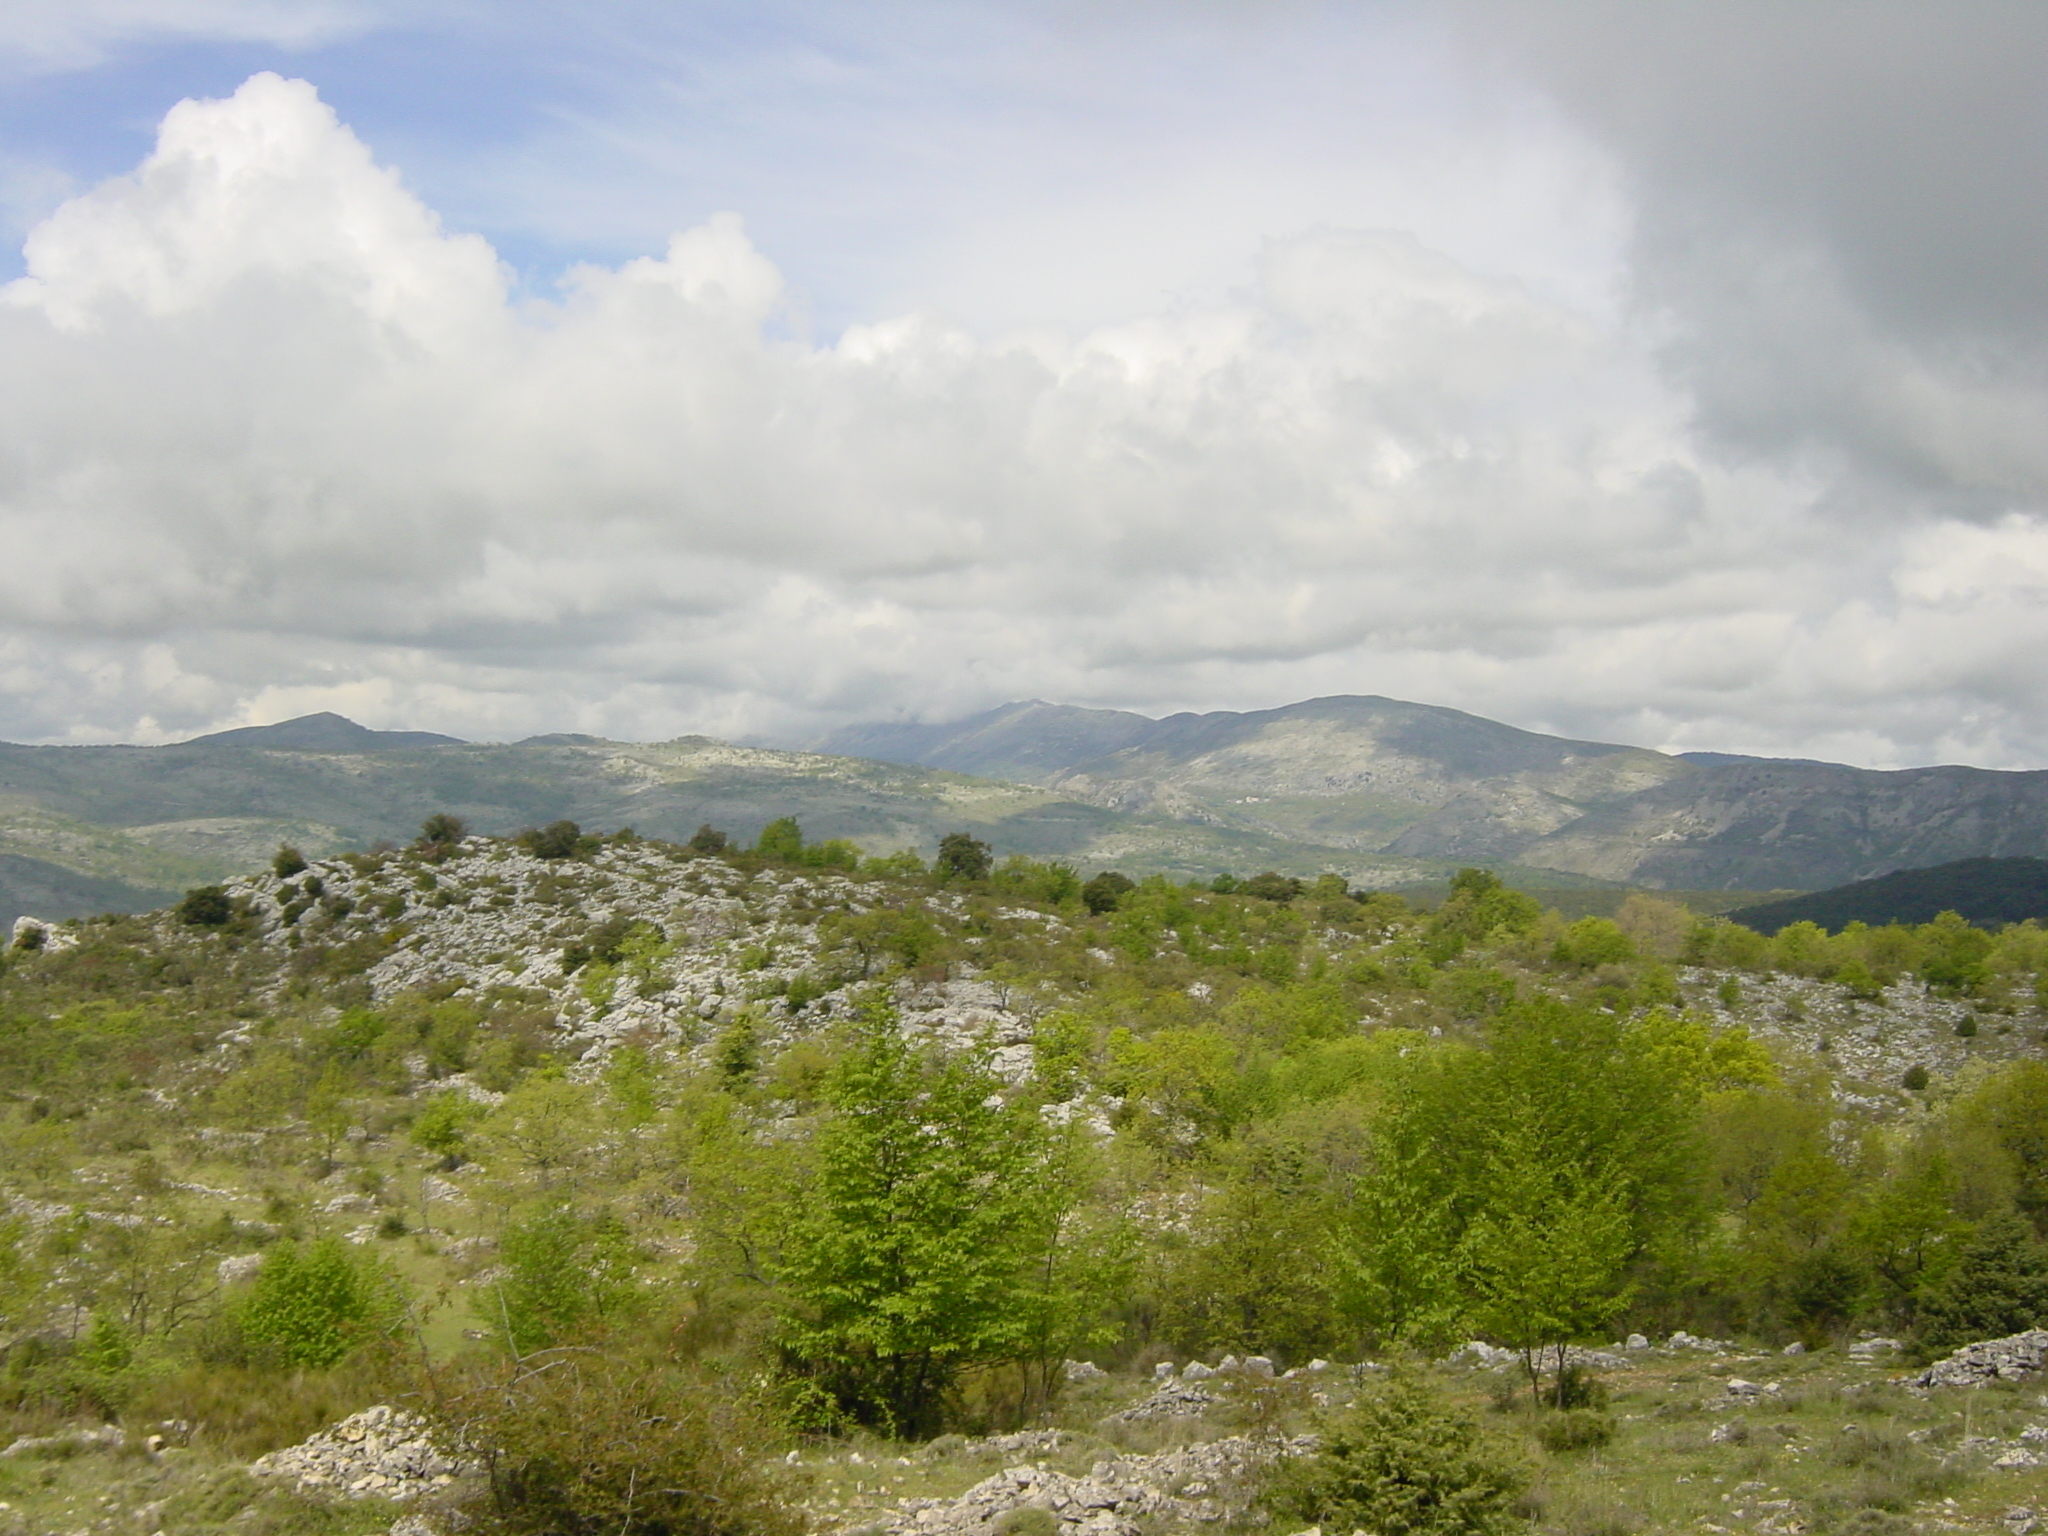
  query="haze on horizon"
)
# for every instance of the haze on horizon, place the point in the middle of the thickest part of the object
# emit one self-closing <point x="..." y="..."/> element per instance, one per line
<point x="1674" y="374"/>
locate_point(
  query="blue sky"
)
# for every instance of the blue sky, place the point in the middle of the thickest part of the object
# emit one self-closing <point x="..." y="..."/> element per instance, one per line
<point x="1675" y="374"/>
<point x="1008" y="164"/>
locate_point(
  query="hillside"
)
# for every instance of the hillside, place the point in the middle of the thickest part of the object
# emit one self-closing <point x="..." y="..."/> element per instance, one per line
<point x="1417" y="781"/>
<point x="135" y="822"/>
<point x="1988" y="892"/>
<point x="459" y="1122"/>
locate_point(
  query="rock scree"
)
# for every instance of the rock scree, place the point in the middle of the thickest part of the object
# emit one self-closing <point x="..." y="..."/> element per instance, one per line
<point x="382" y="1452"/>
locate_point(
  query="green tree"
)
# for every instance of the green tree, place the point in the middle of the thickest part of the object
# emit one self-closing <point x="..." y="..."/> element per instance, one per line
<point x="310" y="1306"/>
<point x="560" y="1272"/>
<point x="556" y="840"/>
<point x="1403" y="1462"/>
<point x="1480" y="909"/>
<point x="782" y="839"/>
<point x="910" y="1243"/>
<point x="1105" y="891"/>
<point x="962" y="857"/>
<point x="205" y="906"/>
<point x="287" y="861"/>
<point x="1999" y="1286"/>
<point x="440" y="835"/>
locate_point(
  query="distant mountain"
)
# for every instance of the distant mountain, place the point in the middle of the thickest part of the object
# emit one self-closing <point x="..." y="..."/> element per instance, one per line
<point x="1719" y="759"/>
<point x="145" y="820"/>
<point x="323" y="732"/>
<point x="1417" y="781"/>
<point x="1366" y="773"/>
<point x="1986" y="891"/>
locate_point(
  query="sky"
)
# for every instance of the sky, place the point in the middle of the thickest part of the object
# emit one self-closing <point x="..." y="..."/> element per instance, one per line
<point x="1673" y="373"/>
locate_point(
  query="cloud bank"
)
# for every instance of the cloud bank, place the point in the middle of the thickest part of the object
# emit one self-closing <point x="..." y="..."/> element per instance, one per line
<point x="273" y="440"/>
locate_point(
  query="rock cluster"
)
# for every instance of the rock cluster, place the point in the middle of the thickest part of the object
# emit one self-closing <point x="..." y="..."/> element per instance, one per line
<point x="1110" y="1501"/>
<point x="2015" y="1358"/>
<point x="382" y="1453"/>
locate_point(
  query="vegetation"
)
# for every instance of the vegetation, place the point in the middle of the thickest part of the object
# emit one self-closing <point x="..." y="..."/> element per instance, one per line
<point x="824" y="1148"/>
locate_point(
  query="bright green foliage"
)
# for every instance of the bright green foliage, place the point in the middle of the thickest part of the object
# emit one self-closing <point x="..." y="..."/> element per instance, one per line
<point x="560" y="1272"/>
<point x="441" y="1126"/>
<point x="1403" y="1462"/>
<point x="1955" y="954"/>
<point x="1051" y="884"/>
<point x="1480" y="909"/>
<point x="1591" y="942"/>
<point x="907" y="1248"/>
<point x="781" y="839"/>
<point x="310" y="1306"/>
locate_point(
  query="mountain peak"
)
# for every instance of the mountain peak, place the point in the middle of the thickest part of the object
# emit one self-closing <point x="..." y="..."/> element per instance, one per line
<point x="324" y="732"/>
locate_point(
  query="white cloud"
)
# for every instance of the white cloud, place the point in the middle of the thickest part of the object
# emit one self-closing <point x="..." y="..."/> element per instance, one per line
<point x="273" y="440"/>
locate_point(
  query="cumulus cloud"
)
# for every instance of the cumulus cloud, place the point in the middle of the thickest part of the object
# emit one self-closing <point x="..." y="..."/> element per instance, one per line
<point x="273" y="440"/>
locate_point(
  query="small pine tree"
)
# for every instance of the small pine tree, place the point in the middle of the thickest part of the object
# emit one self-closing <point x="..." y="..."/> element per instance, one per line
<point x="1998" y="1287"/>
<point x="1403" y="1462"/>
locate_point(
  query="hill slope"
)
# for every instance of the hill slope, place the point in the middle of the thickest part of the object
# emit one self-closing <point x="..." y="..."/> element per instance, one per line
<point x="1989" y="892"/>
<point x="153" y="819"/>
<point x="1417" y="781"/>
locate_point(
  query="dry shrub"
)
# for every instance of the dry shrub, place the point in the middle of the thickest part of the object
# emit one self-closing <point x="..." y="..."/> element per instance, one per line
<point x="600" y="1442"/>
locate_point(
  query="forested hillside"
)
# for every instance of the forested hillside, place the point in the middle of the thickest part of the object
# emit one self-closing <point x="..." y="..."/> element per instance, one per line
<point x="851" y="1151"/>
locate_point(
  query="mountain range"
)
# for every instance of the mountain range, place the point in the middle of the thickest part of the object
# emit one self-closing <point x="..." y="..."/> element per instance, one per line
<point x="1385" y="792"/>
<point x="1380" y="776"/>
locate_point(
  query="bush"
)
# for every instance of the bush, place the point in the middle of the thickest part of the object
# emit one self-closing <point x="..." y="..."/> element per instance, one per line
<point x="1106" y="892"/>
<point x="287" y="861"/>
<point x="962" y="857"/>
<point x="1576" y="1429"/>
<point x="205" y="906"/>
<point x="1915" y="1080"/>
<point x="1998" y="1287"/>
<point x="556" y="840"/>
<point x="1403" y="1462"/>
<point x="606" y="1444"/>
<point x="311" y="1306"/>
<point x="1271" y="887"/>
<point x="708" y="839"/>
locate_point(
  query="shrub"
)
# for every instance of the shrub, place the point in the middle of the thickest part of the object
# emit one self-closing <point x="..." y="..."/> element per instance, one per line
<point x="708" y="839"/>
<point x="311" y="1306"/>
<point x="1270" y="886"/>
<point x="1576" y="1429"/>
<point x="1915" y="1080"/>
<point x="287" y="861"/>
<point x="205" y="906"/>
<point x="1998" y="1287"/>
<point x="1106" y="892"/>
<point x="440" y="835"/>
<point x="1402" y="1462"/>
<point x="606" y="1444"/>
<point x="962" y="857"/>
<point x="556" y="840"/>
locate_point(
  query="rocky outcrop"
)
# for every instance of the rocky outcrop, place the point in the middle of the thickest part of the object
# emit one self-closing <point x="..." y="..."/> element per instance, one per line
<point x="1179" y="1487"/>
<point x="380" y="1453"/>
<point x="2018" y="1357"/>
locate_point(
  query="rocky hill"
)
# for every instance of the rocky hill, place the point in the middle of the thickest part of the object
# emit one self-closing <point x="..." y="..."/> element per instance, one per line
<point x="1417" y="781"/>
